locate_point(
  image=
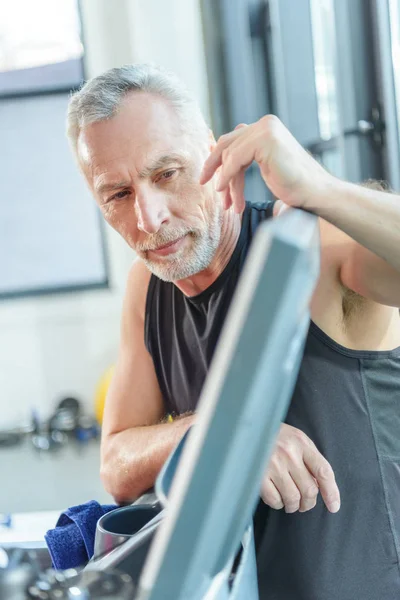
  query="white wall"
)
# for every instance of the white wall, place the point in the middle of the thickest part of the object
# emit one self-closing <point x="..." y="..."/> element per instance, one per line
<point x="169" y="32"/>
<point x="51" y="346"/>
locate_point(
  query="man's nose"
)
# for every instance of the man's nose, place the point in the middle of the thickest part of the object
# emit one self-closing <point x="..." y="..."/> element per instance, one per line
<point x="152" y="212"/>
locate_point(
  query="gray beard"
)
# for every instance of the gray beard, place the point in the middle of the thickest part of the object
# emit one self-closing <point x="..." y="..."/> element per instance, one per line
<point x="189" y="263"/>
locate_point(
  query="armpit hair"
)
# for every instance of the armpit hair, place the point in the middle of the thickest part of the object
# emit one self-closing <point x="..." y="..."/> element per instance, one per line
<point x="352" y="304"/>
<point x="377" y="184"/>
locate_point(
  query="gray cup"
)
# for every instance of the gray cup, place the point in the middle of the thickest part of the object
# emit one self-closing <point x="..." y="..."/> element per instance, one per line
<point x="117" y="526"/>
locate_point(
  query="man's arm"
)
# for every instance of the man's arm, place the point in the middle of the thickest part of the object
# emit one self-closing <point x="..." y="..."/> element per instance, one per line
<point x="371" y="264"/>
<point x="135" y="441"/>
<point x="371" y="218"/>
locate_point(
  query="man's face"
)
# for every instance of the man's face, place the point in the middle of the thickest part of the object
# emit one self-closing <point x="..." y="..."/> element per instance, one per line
<point x="144" y="172"/>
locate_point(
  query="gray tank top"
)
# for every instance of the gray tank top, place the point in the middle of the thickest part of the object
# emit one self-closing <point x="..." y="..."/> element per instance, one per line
<point x="347" y="402"/>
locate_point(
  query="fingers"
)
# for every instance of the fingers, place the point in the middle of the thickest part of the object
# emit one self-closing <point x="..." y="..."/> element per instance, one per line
<point x="215" y="159"/>
<point x="236" y="188"/>
<point x="237" y="185"/>
<point x="233" y="161"/>
<point x="236" y="157"/>
<point x="306" y="485"/>
<point x="298" y="472"/>
<point x="226" y="198"/>
<point x="295" y="490"/>
<point x="288" y="491"/>
<point x="324" y="476"/>
<point x="270" y="494"/>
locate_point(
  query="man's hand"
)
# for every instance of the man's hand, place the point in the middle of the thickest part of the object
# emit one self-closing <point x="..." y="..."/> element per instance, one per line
<point x="287" y="168"/>
<point x="296" y="473"/>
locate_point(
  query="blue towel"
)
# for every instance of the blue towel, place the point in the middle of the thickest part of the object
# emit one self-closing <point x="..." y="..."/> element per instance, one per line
<point x="71" y="543"/>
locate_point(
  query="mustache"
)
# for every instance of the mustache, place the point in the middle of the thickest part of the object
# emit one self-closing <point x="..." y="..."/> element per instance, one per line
<point x="162" y="238"/>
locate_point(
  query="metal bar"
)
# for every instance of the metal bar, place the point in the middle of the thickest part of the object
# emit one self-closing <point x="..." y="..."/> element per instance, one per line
<point x="384" y="42"/>
<point x="244" y="400"/>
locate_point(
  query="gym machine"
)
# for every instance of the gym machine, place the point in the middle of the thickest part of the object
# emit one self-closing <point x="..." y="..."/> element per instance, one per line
<point x="200" y="545"/>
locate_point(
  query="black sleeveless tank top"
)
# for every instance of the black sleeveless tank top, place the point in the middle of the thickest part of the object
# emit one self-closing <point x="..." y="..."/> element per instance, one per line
<point x="181" y="333"/>
<point x="347" y="402"/>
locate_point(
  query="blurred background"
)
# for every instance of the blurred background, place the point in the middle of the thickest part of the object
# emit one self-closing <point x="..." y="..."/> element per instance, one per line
<point x="330" y="69"/>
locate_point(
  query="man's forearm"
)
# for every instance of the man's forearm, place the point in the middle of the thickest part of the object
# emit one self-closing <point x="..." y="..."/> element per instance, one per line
<point x="132" y="459"/>
<point x="370" y="217"/>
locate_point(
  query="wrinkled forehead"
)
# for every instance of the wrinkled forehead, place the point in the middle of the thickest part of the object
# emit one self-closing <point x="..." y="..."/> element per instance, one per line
<point x="144" y="126"/>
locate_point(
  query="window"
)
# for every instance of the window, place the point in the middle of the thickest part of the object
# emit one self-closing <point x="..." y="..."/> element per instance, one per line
<point x="40" y="45"/>
<point x="51" y="238"/>
<point x="394" y="13"/>
<point x="325" y="67"/>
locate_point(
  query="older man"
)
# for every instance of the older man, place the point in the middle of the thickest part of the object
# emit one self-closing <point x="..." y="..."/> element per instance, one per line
<point x="152" y="163"/>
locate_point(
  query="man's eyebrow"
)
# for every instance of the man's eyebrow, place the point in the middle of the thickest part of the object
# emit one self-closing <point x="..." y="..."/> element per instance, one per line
<point x="156" y="165"/>
<point x="161" y="162"/>
<point x="110" y="187"/>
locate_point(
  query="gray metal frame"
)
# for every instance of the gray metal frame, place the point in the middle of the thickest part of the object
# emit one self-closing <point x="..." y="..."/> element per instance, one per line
<point x="291" y="50"/>
<point x="387" y="92"/>
<point x="238" y="85"/>
<point x="357" y="89"/>
<point x="244" y="400"/>
<point x="235" y="45"/>
<point x="260" y="60"/>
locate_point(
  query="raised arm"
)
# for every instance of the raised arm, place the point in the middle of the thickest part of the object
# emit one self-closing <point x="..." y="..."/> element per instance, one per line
<point x="136" y="440"/>
<point x="369" y="217"/>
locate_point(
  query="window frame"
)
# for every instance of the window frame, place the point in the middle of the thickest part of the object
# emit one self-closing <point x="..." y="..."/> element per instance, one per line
<point x="60" y="89"/>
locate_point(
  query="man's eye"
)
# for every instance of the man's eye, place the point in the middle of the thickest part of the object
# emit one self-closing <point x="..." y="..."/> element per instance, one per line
<point x="168" y="174"/>
<point x="119" y="195"/>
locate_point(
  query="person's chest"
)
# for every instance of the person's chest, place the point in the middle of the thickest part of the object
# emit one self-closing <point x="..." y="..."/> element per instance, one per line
<point x="184" y="342"/>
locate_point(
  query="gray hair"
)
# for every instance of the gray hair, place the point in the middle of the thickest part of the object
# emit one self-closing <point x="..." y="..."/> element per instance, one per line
<point x="100" y="98"/>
